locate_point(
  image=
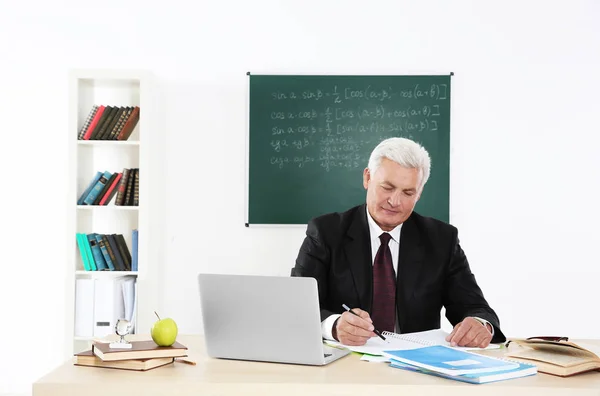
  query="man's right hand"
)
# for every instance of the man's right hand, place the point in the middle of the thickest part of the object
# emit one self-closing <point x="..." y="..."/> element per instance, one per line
<point x="354" y="330"/>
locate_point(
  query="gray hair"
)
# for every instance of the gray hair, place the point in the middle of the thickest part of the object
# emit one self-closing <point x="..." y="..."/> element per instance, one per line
<point x="405" y="153"/>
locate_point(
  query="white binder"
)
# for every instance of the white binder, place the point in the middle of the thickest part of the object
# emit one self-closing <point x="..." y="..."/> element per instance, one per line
<point x="84" y="308"/>
<point x="108" y="305"/>
<point x="129" y="297"/>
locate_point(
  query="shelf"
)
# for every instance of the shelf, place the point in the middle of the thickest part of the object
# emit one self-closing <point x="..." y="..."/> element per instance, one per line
<point x="104" y="143"/>
<point x="88" y="157"/>
<point x="109" y="207"/>
<point x="106" y="274"/>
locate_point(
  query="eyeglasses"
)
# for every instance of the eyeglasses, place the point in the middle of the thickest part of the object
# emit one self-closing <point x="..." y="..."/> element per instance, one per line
<point x="543" y="338"/>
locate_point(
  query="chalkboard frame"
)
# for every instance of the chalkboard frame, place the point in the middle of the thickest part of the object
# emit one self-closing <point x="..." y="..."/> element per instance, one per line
<point x="249" y="74"/>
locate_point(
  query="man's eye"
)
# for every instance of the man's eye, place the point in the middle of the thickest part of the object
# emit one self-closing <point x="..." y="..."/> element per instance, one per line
<point x="387" y="188"/>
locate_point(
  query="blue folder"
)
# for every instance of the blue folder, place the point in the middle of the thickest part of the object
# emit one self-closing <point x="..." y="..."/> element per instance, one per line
<point x="524" y="370"/>
<point x="450" y="361"/>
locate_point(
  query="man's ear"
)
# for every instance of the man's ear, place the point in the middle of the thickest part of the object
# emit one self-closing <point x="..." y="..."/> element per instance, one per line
<point x="419" y="192"/>
<point x="366" y="178"/>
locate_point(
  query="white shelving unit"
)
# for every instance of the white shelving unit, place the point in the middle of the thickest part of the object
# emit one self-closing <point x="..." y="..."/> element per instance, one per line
<point x="142" y="150"/>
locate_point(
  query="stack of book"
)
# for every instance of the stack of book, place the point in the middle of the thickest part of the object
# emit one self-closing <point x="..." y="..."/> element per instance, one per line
<point x="109" y="123"/>
<point x="105" y="185"/>
<point x="143" y="355"/>
<point x="459" y="365"/>
<point x="108" y="252"/>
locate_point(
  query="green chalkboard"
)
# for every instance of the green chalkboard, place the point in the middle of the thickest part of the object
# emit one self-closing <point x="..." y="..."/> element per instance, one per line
<point x="310" y="138"/>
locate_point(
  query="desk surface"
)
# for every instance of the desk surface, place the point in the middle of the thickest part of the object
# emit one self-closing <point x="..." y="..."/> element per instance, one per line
<point x="345" y="376"/>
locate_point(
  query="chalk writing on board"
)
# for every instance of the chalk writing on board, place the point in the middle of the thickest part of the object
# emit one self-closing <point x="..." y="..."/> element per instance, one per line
<point x="339" y="94"/>
<point x="333" y="133"/>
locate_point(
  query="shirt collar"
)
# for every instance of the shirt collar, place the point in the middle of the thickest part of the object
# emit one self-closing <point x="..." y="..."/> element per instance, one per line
<point x="375" y="230"/>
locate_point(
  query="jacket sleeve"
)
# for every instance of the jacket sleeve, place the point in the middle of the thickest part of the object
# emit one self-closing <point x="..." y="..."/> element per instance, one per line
<point x="462" y="296"/>
<point x="314" y="261"/>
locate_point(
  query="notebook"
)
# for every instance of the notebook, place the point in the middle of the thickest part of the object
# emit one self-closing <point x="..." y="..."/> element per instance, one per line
<point x="433" y="337"/>
<point x="524" y="370"/>
<point x="375" y="346"/>
<point x="450" y="361"/>
<point x="561" y="358"/>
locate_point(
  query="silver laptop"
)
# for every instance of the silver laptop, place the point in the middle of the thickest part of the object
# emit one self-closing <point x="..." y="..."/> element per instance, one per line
<point x="264" y="318"/>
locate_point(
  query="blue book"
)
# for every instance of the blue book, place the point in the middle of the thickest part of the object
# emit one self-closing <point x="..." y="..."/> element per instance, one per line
<point x="81" y="242"/>
<point x="524" y="370"/>
<point x="97" y="189"/>
<point x="89" y="188"/>
<point x="88" y="249"/>
<point x="134" y="250"/>
<point x="450" y="361"/>
<point x="103" y="252"/>
<point x="98" y="259"/>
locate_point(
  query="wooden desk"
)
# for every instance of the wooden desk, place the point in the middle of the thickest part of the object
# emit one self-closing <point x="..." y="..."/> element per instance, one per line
<point x="347" y="376"/>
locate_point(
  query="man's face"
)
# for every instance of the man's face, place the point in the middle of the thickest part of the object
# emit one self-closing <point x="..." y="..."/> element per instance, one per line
<point x="392" y="193"/>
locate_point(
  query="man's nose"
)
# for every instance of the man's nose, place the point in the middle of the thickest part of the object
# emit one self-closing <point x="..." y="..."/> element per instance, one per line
<point x="394" y="199"/>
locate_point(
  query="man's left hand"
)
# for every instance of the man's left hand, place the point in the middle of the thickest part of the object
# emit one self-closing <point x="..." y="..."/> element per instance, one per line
<point x="470" y="333"/>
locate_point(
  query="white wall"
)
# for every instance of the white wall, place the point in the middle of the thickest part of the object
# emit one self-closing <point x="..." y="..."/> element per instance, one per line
<point x="525" y="157"/>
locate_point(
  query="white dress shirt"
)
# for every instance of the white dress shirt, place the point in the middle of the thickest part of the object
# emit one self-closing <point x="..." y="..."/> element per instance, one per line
<point x="394" y="244"/>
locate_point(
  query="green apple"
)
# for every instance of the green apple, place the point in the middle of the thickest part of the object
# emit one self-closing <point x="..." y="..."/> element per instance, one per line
<point x="164" y="331"/>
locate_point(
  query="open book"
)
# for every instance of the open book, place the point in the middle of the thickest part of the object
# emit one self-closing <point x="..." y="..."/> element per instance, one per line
<point x="562" y="358"/>
<point x="376" y="346"/>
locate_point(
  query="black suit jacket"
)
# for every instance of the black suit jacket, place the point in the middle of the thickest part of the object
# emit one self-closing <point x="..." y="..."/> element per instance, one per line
<point x="433" y="270"/>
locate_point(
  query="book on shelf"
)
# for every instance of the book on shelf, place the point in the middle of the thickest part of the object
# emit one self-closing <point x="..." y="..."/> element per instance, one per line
<point x="110" y="191"/>
<point x="87" y="122"/>
<point x="107" y="252"/>
<point x="109" y="122"/>
<point x="122" y="245"/>
<point x="99" y="256"/>
<point x="557" y="355"/>
<point x="97" y="189"/>
<point x="123" y="116"/>
<point x="87" y="358"/>
<point x="90" y="128"/>
<point x="134" y="250"/>
<point x="139" y="350"/>
<point x="130" y="184"/>
<point x="91" y="185"/>
<point x="86" y="252"/>
<point x="106" y="185"/>
<point x="125" y="132"/>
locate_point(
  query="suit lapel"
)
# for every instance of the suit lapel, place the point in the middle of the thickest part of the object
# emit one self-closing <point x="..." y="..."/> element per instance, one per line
<point x="410" y="264"/>
<point x="357" y="248"/>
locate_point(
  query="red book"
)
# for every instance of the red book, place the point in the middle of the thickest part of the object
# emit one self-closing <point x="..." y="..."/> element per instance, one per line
<point x="94" y="122"/>
<point x="111" y="190"/>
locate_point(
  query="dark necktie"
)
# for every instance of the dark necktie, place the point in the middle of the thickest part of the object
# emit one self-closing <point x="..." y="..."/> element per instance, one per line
<point x="384" y="287"/>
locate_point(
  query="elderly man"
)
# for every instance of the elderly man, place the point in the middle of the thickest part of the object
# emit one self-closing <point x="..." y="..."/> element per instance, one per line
<point x="392" y="266"/>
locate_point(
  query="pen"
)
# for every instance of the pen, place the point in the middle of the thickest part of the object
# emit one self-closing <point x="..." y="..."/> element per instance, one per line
<point x="354" y="313"/>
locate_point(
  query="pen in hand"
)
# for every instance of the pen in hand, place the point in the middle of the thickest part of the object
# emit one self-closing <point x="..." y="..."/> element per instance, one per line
<point x="354" y="313"/>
